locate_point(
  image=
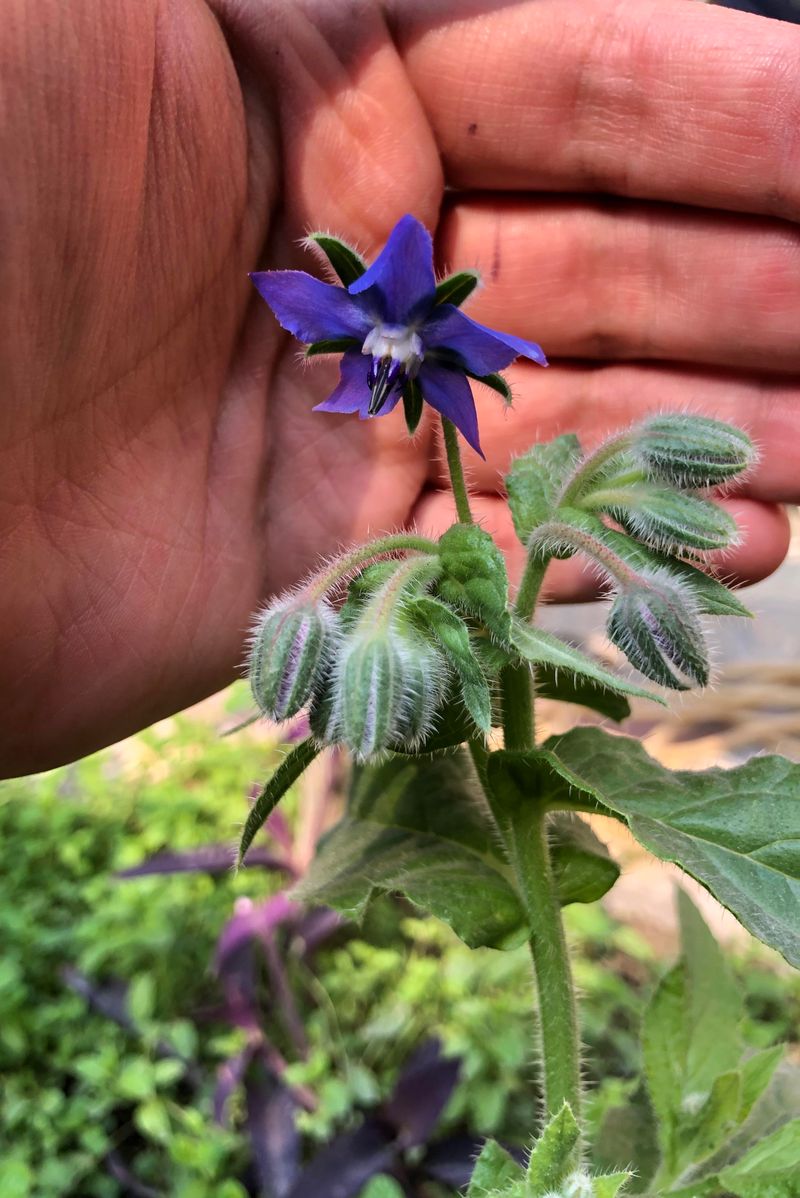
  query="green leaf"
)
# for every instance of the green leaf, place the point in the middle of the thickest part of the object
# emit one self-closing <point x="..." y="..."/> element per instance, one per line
<point x="552" y="683"/>
<point x="457" y="288"/>
<point x="711" y="596"/>
<point x="538" y="647"/>
<point x="412" y="405"/>
<point x="520" y="783"/>
<point x="757" y="1072"/>
<point x="770" y="1169"/>
<point x="537" y="479"/>
<point x="452" y="636"/>
<point x="344" y="260"/>
<point x="628" y="1135"/>
<point x="609" y="1185"/>
<point x="495" y="1169"/>
<point x="416" y="828"/>
<point x="582" y="867"/>
<point x="552" y="1156"/>
<point x="696" y="1104"/>
<point x="474" y="578"/>
<point x="382" y="1187"/>
<point x="286" y="774"/>
<point x="152" y="1120"/>
<point x="334" y="345"/>
<point x="737" y="831"/>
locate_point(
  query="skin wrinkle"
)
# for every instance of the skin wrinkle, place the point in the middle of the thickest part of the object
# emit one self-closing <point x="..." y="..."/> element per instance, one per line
<point x="201" y="468"/>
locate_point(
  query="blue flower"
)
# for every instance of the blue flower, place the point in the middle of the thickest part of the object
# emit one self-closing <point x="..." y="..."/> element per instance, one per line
<point x="390" y="315"/>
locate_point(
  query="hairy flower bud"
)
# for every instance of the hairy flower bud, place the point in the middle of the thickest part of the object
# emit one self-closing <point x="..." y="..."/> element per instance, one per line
<point x="288" y="652"/>
<point x="386" y="689"/>
<point x="671" y="521"/>
<point x="692" y="451"/>
<point x="655" y="622"/>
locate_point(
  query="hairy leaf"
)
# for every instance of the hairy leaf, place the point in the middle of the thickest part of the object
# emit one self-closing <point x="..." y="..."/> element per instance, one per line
<point x="495" y="1169"/>
<point x="552" y="683"/>
<point x="737" y="831"/>
<point x="452" y="636"/>
<point x="552" y="1157"/>
<point x="415" y="828"/>
<point x="286" y="774"/>
<point x="536" y="479"/>
<point x="542" y="648"/>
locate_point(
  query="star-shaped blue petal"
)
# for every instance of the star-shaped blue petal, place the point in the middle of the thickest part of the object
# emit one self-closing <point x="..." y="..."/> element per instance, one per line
<point x="392" y="331"/>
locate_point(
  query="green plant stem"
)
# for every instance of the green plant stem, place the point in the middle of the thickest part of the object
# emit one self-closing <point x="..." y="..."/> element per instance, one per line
<point x="516" y="692"/>
<point x="525" y="834"/>
<point x="454" y="465"/>
<point x="341" y="567"/>
<point x="558" y="1022"/>
<point x="531" y="585"/>
<point x="591" y="465"/>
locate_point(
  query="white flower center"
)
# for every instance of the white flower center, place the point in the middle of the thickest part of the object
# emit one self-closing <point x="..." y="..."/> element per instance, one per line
<point x="397" y="342"/>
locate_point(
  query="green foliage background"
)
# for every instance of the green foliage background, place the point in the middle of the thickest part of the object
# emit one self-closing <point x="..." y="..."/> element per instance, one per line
<point x="75" y="1085"/>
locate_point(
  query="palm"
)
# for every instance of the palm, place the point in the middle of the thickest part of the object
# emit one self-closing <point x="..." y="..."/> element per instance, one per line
<point x="171" y="470"/>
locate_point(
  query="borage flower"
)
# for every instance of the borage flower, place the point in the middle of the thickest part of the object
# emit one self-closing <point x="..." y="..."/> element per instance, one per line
<point x="418" y="346"/>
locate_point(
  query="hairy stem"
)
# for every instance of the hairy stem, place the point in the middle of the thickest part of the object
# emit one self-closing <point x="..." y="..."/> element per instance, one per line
<point x="558" y="1020"/>
<point x="591" y="465"/>
<point x="342" y="567"/>
<point x="454" y="465"/>
<point x="516" y="690"/>
<point x="525" y="835"/>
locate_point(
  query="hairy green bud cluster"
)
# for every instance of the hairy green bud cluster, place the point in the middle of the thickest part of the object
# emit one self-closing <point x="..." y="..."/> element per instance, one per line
<point x="654" y="620"/>
<point x="387" y="686"/>
<point x="692" y="451"/>
<point x="289" y="649"/>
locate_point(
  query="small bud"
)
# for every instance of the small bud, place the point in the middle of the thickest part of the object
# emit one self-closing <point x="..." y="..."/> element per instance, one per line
<point x="288" y="652"/>
<point x="654" y="621"/>
<point x="387" y="687"/>
<point x="692" y="451"/>
<point x="671" y="521"/>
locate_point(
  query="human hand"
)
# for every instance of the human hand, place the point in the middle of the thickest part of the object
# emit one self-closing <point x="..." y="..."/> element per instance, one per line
<point x="162" y="470"/>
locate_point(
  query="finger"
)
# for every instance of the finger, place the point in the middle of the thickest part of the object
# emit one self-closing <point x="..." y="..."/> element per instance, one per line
<point x="606" y="279"/>
<point x="594" y="402"/>
<point x="660" y="99"/>
<point x="764" y="529"/>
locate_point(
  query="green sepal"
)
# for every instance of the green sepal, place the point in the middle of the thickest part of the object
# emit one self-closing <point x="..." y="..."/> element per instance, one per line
<point x="457" y="288"/>
<point x="553" y="1155"/>
<point x="451" y="635"/>
<point x="345" y="262"/>
<point x="335" y="345"/>
<point x="289" y="770"/>
<point x="412" y="405"/>
<point x="495" y="381"/>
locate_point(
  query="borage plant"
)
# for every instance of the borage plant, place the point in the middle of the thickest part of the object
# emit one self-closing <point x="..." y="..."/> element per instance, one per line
<point x="410" y="653"/>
